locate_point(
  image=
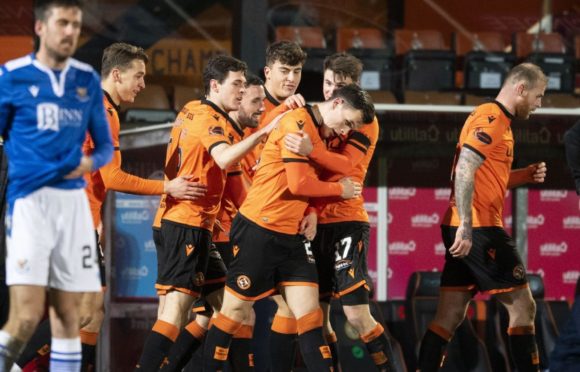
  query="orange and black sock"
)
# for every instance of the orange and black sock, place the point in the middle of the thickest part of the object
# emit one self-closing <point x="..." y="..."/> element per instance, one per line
<point x="89" y="350"/>
<point x="433" y="345"/>
<point x="314" y="350"/>
<point x="333" y="346"/>
<point x="217" y="342"/>
<point x="241" y="356"/>
<point x="188" y="341"/>
<point x="524" y="348"/>
<point x="157" y="346"/>
<point x="283" y="343"/>
<point x="379" y="348"/>
<point x="38" y="345"/>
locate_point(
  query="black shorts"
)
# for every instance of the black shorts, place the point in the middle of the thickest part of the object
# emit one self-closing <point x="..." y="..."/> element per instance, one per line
<point x="225" y="250"/>
<point x="265" y="259"/>
<point x="340" y="250"/>
<point x="215" y="276"/>
<point x="493" y="264"/>
<point x="182" y="258"/>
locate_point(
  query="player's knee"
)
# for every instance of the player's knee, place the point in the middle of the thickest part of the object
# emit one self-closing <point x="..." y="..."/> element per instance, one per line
<point x="26" y="323"/>
<point x="85" y="319"/>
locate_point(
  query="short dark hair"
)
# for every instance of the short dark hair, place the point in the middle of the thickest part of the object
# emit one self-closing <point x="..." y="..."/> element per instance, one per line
<point x="252" y="79"/>
<point x="358" y="99"/>
<point x="42" y="7"/>
<point x="218" y="68"/>
<point x="286" y="52"/>
<point x="344" y="65"/>
<point x="121" y="55"/>
<point x="528" y="72"/>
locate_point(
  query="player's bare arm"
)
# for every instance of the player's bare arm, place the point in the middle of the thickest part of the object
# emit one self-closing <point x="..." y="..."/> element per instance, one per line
<point x="533" y="173"/>
<point x="467" y="164"/>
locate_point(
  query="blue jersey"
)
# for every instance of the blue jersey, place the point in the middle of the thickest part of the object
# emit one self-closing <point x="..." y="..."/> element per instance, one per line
<point x="44" y="118"/>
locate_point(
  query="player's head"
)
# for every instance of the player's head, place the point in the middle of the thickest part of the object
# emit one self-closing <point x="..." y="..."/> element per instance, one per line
<point x="58" y="26"/>
<point x="252" y="105"/>
<point x="340" y="69"/>
<point x="124" y="67"/>
<point x="526" y="83"/>
<point x="224" y="81"/>
<point x="284" y="61"/>
<point x="348" y="108"/>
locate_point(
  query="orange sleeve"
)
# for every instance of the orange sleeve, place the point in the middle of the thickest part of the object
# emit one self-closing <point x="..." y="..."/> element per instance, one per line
<point x="116" y="179"/>
<point x="339" y="163"/>
<point x="483" y="135"/>
<point x="214" y="132"/>
<point x="303" y="182"/>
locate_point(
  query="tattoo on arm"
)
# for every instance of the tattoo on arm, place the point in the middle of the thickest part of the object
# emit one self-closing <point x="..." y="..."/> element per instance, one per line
<point x="467" y="164"/>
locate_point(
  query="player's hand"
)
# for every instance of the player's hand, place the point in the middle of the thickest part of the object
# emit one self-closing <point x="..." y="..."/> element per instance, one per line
<point x="295" y="101"/>
<point x="299" y="143"/>
<point x="268" y="128"/>
<point x="85" y="166"/>
<point x="537" y="172"/>
<point x="183" y="188"/>
<point x="350" y="189"/>
<point x="463" y="242"/>
<point x="308" y="226"/>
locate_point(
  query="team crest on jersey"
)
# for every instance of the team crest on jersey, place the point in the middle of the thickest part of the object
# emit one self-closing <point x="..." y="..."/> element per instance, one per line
<point x="243" y="282"/>
<point x="300" y="124"/>
<point x="216" y="131"/>
<point x="33" y="89"/>
<point x="482" y="136"/>
<point x="82" y="94"/>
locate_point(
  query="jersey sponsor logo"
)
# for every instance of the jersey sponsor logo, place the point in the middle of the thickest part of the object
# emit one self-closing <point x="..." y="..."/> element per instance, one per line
<point x="482" y="136"/>
<point x="553" y="195"/>
<point x="424" y="220"/>
<point x="402" y="248"/>
<point x="535" y="221"/>
<point x="519" y="272"/>
<point x="570" y="277"/>
<point x="243" y="282"/>
<point x="553" y="249"/>
<point x="216" y="131"/>
<point x="34" y="89"/>
<point x="402" y="193"/>
<point x="52" y="117"/>
<point x="571" y="222"/>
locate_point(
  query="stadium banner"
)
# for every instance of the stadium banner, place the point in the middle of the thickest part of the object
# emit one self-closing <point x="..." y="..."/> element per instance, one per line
<point x="370" y="195"/>
<point x="553" y="240"/>
<point x="134" y="254"/>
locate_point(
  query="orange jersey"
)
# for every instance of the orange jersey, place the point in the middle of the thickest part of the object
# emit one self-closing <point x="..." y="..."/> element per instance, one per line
<point x="197" y="130"/>
<point x="488" y="133"/>
<point x="250" y="161"/>
<point x="111" y="176"/>
<point x="173" y="136"/>
<point x="270" y="203"/>
<point x="362" y="140"/>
